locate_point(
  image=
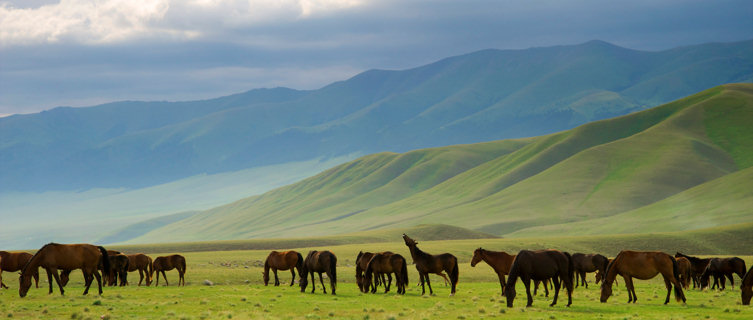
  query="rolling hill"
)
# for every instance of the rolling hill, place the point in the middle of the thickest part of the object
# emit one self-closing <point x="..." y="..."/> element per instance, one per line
<point x="481" y="96"/>
<point x="679" y="166"/>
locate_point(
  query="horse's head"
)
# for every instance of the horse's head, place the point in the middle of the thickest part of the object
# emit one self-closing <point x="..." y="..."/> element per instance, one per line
<point x="304" y="282"/>
<point x="408" y="241"/>
<point x="606" y="291"/>
<point x="24" y="284"/>
<point x="510" y="295"/>
<point x="747" y="294"/>
<point x="266" y="277"/>
<point x="476" y="257"/>
<point x="598" y="276"/>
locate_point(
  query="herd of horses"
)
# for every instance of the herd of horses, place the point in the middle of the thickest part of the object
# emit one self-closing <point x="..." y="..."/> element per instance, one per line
<point x="59" y="260"/>
<point x="550" y="267"/>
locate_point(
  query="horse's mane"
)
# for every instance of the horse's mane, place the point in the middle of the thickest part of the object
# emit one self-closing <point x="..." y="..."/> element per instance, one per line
<point x="692" y="259"/>
<point x="609" y="267"/>
<point x="23" y="270"/>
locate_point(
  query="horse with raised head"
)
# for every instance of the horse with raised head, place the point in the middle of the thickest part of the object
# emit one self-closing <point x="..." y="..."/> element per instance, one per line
<point x="427" y="263"/>
<point x="746" y="287"/>
<point x="362" y="261"/>
<point x="286" y="260"/>
<point x="698" y="266"/>
<point x="14" y="261"/>
<point x="167" y="263"/>
<point x="721" y="268"/>
<point x="500" y="261"/>
<point x="319" y="262"/>
<point x="388" y="263"/>
<point x="642" y="265"/>
<point x="540" y="265"/>
<point x="142" y="263"/>
<point x="585" y="263"/>
<point x="54" y="256"/>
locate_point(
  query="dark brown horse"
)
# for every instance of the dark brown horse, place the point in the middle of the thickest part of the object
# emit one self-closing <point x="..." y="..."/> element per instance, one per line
<point x="143" y="264"/>
<point x="388" y="263"/>
<point x="286" y="260"/>
<point x="585" y="263"/>
<point x="684" y="266"/>
<point x="427" y="263"/>
<point x="14" y="261"/>
<point x="721" y="268"/>
<point x="319" y="262"/>
<point x="642" y="265"/>
<point x="540" y="265"/>
<point x="746" y="287"/>
<point x="167" y="263"/>
<point x="119" y="265"/>
<point x="500" y="261"/>
<point x="53" y="256"/>
<point x="362" y="261"/>
<point x="698" y="266"/>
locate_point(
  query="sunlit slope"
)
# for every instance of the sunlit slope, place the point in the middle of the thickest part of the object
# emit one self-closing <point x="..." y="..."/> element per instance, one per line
<point x="602" y="169"/>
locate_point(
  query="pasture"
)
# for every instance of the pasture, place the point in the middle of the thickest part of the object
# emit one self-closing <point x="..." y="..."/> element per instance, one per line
<point x="238" y="293"/>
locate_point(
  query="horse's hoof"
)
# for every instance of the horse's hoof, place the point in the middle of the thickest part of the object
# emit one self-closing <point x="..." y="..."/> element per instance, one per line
<point x="452" y="294"/>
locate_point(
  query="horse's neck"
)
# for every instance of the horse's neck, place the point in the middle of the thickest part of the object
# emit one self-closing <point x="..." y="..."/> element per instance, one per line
<point x="417" y="253"/>
<point x="35" y="261"/>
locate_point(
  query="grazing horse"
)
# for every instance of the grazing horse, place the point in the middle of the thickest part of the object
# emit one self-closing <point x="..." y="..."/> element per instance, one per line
<point x="585" y="263"/>
<point x="428" y="263"/>
<point x="167" y="263"/>
<point x="388" y="263"/>
<point x="642" y="265"/>
<point x="53" y="256"/>
<point x="14" y="261"/>
<point x="500" y="261"/>
<point x="286" y="260"/>
<point x="143" y="264"/>
<point x="119" y="265"/>
<point x="319" y="262"/>
<point x="721" y="268"/>
<point x="747" y="287"/>
<point x="684" y="266"/>
<point x="698" y="266"/>
<point x="362" y="261"/>
<point x="541" y="265"/>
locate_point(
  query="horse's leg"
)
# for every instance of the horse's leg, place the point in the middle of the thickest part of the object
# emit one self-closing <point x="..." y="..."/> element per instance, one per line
<point x="556" y="291"/>
<point x="502" y="283"/>
<point x="585" y="281"/>
<point x="36" y="278"/>
<point x="141" y="276"/>
<point x="313" y="282"/>
<point x="54" y="273"/>
<point x="577" y="276"/>
<point x="87" y="281"/>
<point x="164" y="276"/>
<point x="547" y="283"/>
<point x="322" y="282"/>
<point x="667" y="284"/>
<point x="632" y="289"/>
<point x="277" y="280"/>
<point x="428" y="283"/>
<point x="49" y="280"/>
<point x="157" y="282"/>
<point x="423" y="289"/>
<point x="627" y="287"/>
<point x="389" y="283"/>
<point x="527" y="283"/>
<point x="292" y="271"/>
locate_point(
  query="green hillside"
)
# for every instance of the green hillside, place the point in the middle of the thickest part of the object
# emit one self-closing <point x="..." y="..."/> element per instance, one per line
<point x="655" y="163"/>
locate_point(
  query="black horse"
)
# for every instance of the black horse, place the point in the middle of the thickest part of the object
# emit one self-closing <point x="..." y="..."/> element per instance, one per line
<point x="720" y="268"/>
<point x="428" y="263"/>
<point x="541" y="265"/>
<point x="319" y="262"/>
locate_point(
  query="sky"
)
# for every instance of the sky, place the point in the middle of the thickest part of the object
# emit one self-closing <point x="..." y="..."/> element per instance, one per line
<point x="86" y="52"/>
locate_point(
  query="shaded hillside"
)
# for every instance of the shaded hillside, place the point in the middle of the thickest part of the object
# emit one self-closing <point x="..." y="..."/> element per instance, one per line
<point x="481" y="96"/>
<point x="603" y="169"/>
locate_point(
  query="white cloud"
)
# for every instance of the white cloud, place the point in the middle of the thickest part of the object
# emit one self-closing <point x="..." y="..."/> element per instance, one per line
<point x="112" y="21"/>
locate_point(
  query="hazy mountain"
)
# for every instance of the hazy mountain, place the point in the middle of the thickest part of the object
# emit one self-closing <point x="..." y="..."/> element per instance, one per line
<point x="481" y="96"/>
<point x="680" y="166"/>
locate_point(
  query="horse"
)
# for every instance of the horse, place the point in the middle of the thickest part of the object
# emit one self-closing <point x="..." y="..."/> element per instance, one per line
<point x="362" y="261"/>
<point x="167" y="263"/>
<point x="14" y="261"/>
<point x="721" y="268"/>
<point x="388" y="263"/>
<point x="746" y="287"/>
<point x="282" y="261"/>
<point x="698" y="266"/>
<point x="642" y="265"/>
<point x="319" y="262"/>
<point x="427" y="263"/>
<point x="600" y="275"/>
<point x="500" y="261"/>
<point x="540" y="265"/>
<point x="143" y="264"/>
<point x="119" y="265"/>
<point x="54" y="256"/>
<point x="585" y="263"/>
<point x="684" y="266"/>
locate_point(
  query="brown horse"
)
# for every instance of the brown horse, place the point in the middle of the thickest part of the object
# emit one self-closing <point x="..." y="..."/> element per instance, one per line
<point x="747" y="287"/>
<point x="119" y="265"/>
<point x="285" y="260"/>
<point x="319" y="262"/>
<point x="143" y="264"/>
<point x="540" y="265"/>
<point x="698" y="266"/>
<point x="684" y="266"/>
<point x="53" y="256"/>
<point x="388" y="263"/>
<point x="167" y="263"/>
<point x="427" y="263"/>
<point x="500" y="261"/>
<point x="585" y="263"/>
<point x="642" y="265"/>
<point x="362" y="261"/>
<point x="14" y="261"/>
<point x="721" y="268"/>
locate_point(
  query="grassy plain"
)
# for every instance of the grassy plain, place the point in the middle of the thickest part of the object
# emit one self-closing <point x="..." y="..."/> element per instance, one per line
<point x="238" y="292"/>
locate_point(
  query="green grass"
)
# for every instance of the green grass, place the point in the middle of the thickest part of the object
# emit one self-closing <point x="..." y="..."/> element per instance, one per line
<point x="644" y="164"/>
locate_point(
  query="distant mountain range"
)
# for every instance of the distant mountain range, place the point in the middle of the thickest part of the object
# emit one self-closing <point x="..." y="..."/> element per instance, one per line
<point x="683" y="165"/>
<point x="482" y="96"/>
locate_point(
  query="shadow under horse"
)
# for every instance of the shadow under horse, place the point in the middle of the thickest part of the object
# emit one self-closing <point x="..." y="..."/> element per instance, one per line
<point x="427" y="263"/>
<point x="541" y="265"/>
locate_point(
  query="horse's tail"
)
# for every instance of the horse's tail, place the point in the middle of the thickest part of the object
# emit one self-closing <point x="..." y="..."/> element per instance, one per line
<point x="333" y="270"/>
<point x="299" y="264"/>
<point x="404" y="271"/>
<point x="105" y="260"/>
<point x="679" y="295"/>
<point x="150" y="269"/>
<point x="570" y="272"/>
<point x="455" y="273"/>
